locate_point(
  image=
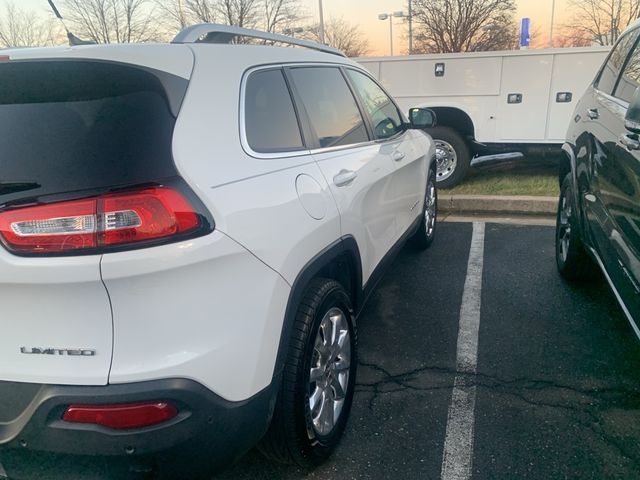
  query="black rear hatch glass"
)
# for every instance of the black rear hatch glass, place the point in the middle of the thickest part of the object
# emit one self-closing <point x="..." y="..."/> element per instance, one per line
<point x="83" y="125"/>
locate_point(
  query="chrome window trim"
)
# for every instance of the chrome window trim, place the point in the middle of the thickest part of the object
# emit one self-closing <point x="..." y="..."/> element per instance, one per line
<point x="305" y="151"/>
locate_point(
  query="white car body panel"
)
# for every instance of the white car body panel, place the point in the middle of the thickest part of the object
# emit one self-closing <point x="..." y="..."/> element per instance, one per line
<point x="57" y="303"/>
<point x="175" y="59"/>
<point x="181" y="310"/>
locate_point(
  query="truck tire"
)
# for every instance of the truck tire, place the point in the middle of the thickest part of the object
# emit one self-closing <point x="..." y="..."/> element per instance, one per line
<point x="452" y="156"/>
<point x="319" y="374"/>
<point x="572" y="259"/>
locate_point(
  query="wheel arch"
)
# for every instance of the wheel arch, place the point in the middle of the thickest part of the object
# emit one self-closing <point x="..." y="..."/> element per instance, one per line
<point x="455" y="118"/>
<point x="568" y="165"/>
<point x="341" y="262"/>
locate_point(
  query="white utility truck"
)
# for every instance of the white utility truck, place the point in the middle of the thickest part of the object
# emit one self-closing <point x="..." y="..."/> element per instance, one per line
<point x="491" y="106"/>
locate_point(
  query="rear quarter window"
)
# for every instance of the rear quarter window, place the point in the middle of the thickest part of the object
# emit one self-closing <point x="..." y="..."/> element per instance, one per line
<point x="271" y="124"/>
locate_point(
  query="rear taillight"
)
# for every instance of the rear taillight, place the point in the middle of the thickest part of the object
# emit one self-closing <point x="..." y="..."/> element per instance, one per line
<point x="110" y="220"/>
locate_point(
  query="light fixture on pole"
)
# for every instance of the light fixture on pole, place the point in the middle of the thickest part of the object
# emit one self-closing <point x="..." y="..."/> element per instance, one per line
<point x="385" y="16"/>
<point x="321" y="22"/>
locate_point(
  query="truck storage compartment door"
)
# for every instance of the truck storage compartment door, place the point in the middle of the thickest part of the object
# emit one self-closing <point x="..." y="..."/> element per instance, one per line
<point x="572" y="74"/>
<point x="524" y="97"/>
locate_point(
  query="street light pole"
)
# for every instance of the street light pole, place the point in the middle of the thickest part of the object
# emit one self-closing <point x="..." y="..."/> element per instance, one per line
<point x="384" y="16"/>
<point x="553" y="12"/>
<point x="391" y="34"/>
<point x="410" y="28"/>
<point x="321" y="22"/>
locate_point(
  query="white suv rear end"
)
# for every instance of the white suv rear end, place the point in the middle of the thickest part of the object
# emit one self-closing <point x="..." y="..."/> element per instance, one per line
<point x="189" y="233"/>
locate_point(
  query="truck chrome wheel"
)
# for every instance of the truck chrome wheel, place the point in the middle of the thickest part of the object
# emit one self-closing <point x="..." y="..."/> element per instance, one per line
<point x="446" y="159"/>
<point x="329" y="374"/>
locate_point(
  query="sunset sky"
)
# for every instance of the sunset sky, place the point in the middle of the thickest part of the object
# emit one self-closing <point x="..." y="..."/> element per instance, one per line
<point x="365" y="14"/>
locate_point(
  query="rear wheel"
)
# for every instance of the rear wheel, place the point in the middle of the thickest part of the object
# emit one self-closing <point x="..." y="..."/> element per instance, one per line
<point x="426" y="232"/>
<point x="452" y="156"/>
<point x="319" y="379"/>
<point x="572" y="258"/>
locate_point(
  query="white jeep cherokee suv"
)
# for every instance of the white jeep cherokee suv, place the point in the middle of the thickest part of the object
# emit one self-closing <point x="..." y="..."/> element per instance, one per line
<point x="189" y="232"/>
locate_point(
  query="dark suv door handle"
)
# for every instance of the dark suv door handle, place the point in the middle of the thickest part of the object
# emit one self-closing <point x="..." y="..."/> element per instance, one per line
<point x="593" y="113"/>
<point x="630" y="142"/>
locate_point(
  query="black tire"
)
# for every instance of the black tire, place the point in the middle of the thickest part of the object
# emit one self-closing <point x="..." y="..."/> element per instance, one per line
<point x="451" y="177"/>
<point x="572" y="259"/>
<point x="423" y="238"/>
<point x="292" y="437"/>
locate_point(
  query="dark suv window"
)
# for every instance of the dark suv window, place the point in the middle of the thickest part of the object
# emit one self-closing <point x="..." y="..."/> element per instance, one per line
<point x="270" y="119"/>
<point x="630" y="78"/>
<point x="611" y="70"/>
<point x="332" y="110"/>
<point x="69" y="126"/>
<point x="384" y="115"/>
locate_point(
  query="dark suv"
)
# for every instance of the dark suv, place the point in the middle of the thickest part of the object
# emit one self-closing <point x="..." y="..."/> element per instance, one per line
<point x="598" y="222"/>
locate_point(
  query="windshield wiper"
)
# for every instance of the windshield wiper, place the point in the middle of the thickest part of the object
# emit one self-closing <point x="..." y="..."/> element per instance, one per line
<point x="13" y="187"/>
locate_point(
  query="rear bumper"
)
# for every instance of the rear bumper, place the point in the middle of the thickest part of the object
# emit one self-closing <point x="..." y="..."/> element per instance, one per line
<point x="208" y="431"/>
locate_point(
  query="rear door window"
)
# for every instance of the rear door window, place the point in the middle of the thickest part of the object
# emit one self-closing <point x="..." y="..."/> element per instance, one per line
<point x="330" y="106"/>
<point x="609" y="74"/>
<point x="385" y="118"/>
<point x="70" y="126"/>
<point x="270" y="119"/>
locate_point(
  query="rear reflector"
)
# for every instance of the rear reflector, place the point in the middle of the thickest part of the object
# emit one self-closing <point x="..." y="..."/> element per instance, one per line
<point x="108" y="220"/>
<point x="123" y="416"/>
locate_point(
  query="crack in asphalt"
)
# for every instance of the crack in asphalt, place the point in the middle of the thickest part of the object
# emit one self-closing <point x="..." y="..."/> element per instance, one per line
<point x="592" y="402"/>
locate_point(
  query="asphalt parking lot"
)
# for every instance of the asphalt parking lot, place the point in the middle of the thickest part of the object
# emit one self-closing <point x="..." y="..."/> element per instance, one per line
<point x="557" y="377"/>
<point x="544" y="383"/>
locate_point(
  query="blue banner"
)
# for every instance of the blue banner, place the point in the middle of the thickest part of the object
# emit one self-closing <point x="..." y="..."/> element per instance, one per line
<point x="524" y="32"/>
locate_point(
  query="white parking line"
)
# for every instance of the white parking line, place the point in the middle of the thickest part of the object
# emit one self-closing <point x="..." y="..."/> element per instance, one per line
<point x="457" y="458"/>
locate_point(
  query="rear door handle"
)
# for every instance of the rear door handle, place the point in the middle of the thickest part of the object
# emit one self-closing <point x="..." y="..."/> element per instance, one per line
<point x="397" y="156"/>
<point x="630" y="142"/>
<point x="344" y="178"/>
<point x="593" y="113"/>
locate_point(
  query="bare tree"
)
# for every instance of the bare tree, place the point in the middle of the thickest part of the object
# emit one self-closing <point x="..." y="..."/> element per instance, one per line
<point x="242" y="13"/>
<point x="602" y="20"/>
<point x="572" y="37"/>
<point x="280" y="14"/>
<point x="22" y="28"/>
<point x="112" y="21"/>
<point x="342" y="35"/>
<point x="444" y="26"/>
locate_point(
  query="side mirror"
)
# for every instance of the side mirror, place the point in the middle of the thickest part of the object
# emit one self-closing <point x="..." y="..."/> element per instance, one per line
<point x="632" y="118"/>
<point x="421" y="118"/>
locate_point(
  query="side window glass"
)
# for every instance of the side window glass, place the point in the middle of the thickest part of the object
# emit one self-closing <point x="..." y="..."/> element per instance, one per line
<point x="630" y="79"/>
<point x="332" y="110"/>
<point x="384" y="115"/>
<point x="612" y="68"/>
<point x="270" y="120"/>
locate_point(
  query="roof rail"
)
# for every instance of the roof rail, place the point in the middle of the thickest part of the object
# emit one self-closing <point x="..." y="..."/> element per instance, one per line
<point x="216" y="33"/>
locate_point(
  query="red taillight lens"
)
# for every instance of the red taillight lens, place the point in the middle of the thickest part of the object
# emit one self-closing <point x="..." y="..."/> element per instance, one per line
<point x="146" y="215"/>
<point x="123" y="416"/>
<point x="113" y="219"/>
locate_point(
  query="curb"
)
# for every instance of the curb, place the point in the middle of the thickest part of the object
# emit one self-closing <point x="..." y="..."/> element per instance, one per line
<point x="498" y="204"/>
